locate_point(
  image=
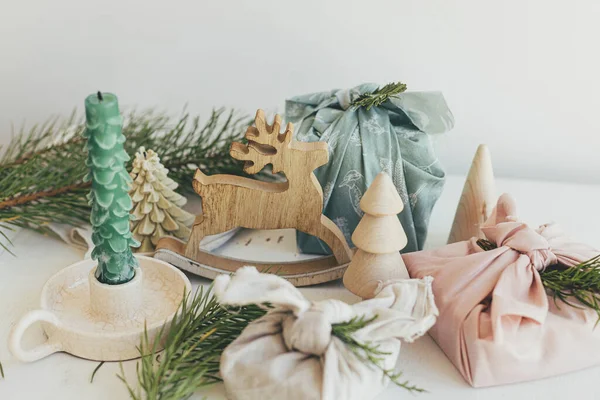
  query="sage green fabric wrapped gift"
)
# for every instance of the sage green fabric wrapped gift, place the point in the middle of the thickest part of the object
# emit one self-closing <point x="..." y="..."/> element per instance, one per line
<point x="392" y="137"/>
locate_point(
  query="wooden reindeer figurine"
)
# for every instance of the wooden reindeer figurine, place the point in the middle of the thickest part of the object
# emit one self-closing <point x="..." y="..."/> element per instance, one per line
<point x="230" y="201"/>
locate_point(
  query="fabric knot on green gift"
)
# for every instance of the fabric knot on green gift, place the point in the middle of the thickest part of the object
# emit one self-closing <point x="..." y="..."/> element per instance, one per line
<point x="369" y="129"/>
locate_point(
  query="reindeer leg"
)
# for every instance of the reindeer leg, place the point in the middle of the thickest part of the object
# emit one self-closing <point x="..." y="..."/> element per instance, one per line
<point x="192" y="247"/>
<point x="329" y="232"/>
<point x="203" y="226"/>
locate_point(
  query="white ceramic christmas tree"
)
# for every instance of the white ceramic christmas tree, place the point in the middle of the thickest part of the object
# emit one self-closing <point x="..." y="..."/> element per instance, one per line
<point x="379" y="238"/>
<point x="156" y="212"/>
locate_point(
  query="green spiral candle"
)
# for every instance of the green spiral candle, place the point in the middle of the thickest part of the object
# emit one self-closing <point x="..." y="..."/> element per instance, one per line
<point x="109" y="196"/>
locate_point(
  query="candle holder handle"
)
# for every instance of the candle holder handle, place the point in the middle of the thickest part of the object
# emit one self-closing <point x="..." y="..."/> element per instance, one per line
<point x="40" y="351"/>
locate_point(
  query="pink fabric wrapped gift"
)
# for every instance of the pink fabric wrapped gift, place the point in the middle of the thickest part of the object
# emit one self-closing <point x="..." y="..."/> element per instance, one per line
<point x="497" y="324"/>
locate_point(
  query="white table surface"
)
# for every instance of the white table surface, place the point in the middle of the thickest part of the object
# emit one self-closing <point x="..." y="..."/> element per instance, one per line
<point x="61" y="376"/>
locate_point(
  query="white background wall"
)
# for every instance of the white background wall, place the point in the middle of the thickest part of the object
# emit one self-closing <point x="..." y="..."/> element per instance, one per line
<point x="522" y="76"/>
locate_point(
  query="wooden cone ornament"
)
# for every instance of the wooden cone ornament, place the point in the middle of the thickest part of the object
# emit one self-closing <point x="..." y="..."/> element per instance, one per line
<point x="379" y="238"/>
<point x="156" y="212"/>
<point x="477" y="199"/>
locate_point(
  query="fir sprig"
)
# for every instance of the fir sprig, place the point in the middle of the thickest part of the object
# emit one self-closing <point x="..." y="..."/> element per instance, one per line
<point x="580" y="282"/>
<point x="42" y="170"/>
<point x="379" y="95"/>
<point x="368" y="352"/>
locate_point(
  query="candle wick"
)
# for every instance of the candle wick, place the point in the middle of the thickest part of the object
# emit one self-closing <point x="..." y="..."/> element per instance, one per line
<point x="100" y="96"/>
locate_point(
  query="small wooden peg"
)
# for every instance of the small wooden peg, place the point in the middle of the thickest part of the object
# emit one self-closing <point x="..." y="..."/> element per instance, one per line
<point x="477" y="199"/>
<point x="379" y="237"/>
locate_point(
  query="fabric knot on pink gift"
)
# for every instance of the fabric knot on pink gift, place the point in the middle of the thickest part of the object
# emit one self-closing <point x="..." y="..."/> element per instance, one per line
<point x="505" y="230"/>
<point x="497" y="324"/>
<point x="291" y="353"/>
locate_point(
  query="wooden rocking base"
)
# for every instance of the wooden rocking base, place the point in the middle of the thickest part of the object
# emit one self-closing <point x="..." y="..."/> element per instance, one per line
<point x="208" y="265"/>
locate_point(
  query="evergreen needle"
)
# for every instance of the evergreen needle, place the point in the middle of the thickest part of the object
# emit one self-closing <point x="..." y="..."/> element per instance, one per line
<point x="96" y="370"/>
<point x="379" y="95"/>
<point x="1" y="371"/>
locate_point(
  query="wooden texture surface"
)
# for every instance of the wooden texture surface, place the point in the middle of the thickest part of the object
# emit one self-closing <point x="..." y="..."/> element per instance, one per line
<point x="379" y="238"/>
<point x="209" y="265"/>
<point x="477" y="199"/>
<point x="367" y="272"/>
<point x="233" y="201"/>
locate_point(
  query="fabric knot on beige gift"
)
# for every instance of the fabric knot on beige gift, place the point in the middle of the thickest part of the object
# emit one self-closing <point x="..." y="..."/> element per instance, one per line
<point x="310" y="331"/>
<point x="291" y="352"/>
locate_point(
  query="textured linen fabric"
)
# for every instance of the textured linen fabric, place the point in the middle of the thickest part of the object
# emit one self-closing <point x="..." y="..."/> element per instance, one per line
<point x="497" y="324"/>
<point x="291" y="354"/>
<point x="393" y="137"/>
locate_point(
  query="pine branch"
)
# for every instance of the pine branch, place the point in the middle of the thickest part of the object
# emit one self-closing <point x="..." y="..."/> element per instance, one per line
<point x="580" y="282"/>
<point x="379" y="96"/>
<point x="32" y="197"/>
<point x="39" y="139"/>
<point x="188" y="145"/>
<point x="42" y="170"/>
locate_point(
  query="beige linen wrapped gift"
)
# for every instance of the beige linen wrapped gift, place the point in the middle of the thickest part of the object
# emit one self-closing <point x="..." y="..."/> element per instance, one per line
<point x="290" y="353"/>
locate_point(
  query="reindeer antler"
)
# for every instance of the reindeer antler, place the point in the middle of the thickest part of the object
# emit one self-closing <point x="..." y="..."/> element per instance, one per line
<point x="266" y="145"/>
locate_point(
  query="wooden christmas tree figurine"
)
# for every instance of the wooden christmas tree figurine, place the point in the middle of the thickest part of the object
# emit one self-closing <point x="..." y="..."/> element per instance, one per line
<point x="109" y="195"/>
<point x="156" y="211"/>
<point x="379" y="238"/>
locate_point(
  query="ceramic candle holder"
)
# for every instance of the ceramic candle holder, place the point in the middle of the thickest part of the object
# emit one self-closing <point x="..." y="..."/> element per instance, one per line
<point x="101" y="322"/>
